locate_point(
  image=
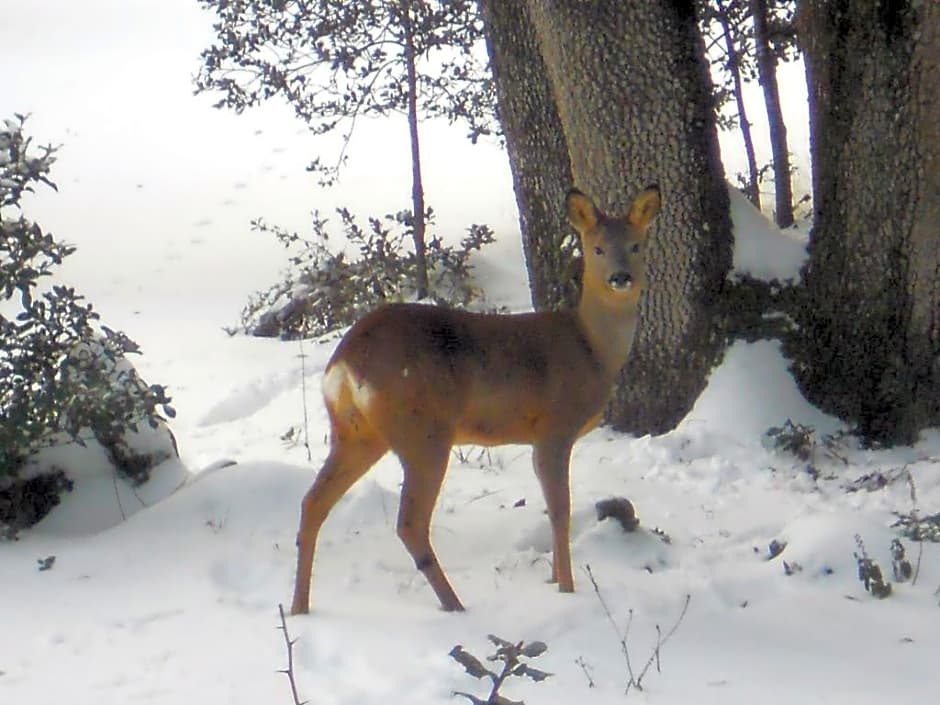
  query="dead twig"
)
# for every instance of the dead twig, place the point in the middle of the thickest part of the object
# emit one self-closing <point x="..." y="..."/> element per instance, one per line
<point x="117" y="496"/>
<point x="661" y="641"/>
<point x="303" y="393"/>
<point x="622" y="636"/>
<point x="636" y="681"/>
<point x="289" y="671"/>
<point x="586" y="668"/>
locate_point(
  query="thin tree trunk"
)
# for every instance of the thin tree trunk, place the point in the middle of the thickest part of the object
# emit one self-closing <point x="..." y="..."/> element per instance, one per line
<point x="538" y="152"/>
<point x="734" y="67"/>
<point x="767" y="73"/>
<point x="417" y="189"/>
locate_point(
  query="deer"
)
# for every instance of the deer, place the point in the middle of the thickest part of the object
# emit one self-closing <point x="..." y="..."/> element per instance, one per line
<point x="418" y="379"/>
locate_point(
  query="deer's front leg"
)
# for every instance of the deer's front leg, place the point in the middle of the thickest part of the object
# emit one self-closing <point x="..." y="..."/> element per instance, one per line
<point x="551" y="458"/>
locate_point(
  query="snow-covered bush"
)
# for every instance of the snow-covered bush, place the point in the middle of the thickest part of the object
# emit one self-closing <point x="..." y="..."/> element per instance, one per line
<point x="323" y="290"/>
<point x="63" y="376"/>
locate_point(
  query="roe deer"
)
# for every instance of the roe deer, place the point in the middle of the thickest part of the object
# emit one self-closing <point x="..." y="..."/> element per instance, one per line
<point x="419" y="379"/>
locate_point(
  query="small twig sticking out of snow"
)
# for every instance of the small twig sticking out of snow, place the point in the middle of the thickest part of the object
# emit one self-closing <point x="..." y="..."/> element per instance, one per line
<point x="117" y="496"/>
<point x="483" y="495"/>
<point x="622" y="636"/>
<point x="587" y="670"/>
<point x="661" y="641"/>
<point x="138" y="497"/>
<point x="303" y="393"/>
<point x="289" y="671"/>
<point x="637" y="681"/>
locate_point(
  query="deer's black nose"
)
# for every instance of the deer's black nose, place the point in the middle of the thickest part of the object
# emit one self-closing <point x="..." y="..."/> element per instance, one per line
<point x="620" y="280"/>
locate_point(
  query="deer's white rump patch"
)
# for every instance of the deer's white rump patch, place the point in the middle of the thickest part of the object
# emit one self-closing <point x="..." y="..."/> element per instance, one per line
<point x="339" y="376"/>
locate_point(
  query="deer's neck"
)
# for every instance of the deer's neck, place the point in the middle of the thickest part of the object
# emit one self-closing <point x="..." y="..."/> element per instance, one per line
<point x="609" y="328"/>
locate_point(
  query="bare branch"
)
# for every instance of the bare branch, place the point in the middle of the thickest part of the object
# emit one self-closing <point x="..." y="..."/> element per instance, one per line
<point x="661" y="641"/>
<point x="634" y="680"/>
<point x="289" y="671"/>
<point x="621" y="636"/>
<point x="586" y="669"/>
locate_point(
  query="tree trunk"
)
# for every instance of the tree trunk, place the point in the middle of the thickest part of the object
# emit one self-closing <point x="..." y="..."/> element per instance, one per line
<point x="633" y="100"/>
<point x="734" y="68"/>
<point x="767" y="76"/>
<point x="870" y="332"/>
<point x="419" y="223"/>
<point x="538" y="153"/>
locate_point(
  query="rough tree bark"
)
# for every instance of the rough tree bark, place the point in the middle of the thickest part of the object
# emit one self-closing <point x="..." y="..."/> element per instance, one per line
<point x="538" y="153"/>
<point x="767" y="76"/>
<point x="632" y="93"/>
<point x="870" y="331"/>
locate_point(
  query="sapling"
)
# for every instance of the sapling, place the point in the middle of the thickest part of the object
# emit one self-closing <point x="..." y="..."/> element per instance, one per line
<point x="513" y="658"/>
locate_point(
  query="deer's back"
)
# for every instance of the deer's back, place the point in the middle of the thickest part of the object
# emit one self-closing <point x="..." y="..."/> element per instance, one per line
<point x="493" y="378"/>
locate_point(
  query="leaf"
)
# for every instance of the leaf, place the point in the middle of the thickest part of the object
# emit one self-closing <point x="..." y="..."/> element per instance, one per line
<point x="498" y="641"/>
<point x="534" y="673"/>
<point x="534" y="648"/>
<point x="471" y="663"/>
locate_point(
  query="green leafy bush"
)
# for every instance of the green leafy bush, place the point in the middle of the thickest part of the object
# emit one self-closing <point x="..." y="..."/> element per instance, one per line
<point x="63" y="376"/>
<point x="323" y="290"/>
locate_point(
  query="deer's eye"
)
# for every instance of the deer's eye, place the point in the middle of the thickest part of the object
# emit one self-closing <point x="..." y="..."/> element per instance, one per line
<point x="598" y="251"/>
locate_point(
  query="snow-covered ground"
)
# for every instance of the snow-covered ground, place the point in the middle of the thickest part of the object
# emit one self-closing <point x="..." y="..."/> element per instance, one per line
<point x="178" y="603"/>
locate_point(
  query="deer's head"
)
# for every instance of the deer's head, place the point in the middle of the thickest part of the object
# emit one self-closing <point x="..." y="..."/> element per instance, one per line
<point x="614" y="248"/>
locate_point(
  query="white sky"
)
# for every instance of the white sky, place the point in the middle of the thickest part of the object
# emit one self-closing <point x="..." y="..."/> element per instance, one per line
<point x="111" y="81"/>
<point x="147" y="171"/>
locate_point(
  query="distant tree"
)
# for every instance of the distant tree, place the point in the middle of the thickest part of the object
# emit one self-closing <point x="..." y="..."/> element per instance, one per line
<point x="616" y="95"/>
<point x="869" y="332"/>
<point x="749" y="38"/>
<point x="335" y="61"/>
<point x="734" y="51"/>
<point x="774" y="39"/>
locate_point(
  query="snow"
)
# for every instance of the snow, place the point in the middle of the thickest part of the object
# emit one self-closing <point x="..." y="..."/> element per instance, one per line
<point x="178" y="603"/>
<point x="770" y="398"/>
<point x="99" y="500"/>
<point x="762" y="250"/>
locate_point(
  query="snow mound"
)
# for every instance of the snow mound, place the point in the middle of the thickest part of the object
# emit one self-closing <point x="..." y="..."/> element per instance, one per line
<point x="761" y="249"/>
<point x="751" y="391"/>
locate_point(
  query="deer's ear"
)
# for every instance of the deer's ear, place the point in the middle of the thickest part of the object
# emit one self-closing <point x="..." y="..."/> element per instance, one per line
<point x="582" y="213"/>
<point x="644" y="208"/>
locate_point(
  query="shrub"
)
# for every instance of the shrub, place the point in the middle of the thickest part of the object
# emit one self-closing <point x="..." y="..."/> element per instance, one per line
<point x="514" y="659"/>
<point x="62" y="375"/>
<point x="802" y="442"/>
<point x="323" y="290"/>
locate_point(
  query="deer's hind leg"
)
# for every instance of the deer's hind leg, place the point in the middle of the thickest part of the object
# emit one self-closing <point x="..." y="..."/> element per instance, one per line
<point x="424" y="450"/>
<point x="354" y="448"/>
